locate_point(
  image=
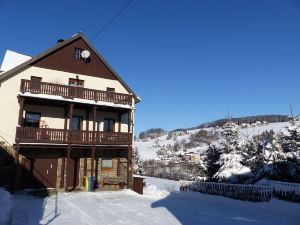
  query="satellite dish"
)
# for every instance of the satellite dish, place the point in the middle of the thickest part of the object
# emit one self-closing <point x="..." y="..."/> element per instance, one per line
<point x="85" y="54"/>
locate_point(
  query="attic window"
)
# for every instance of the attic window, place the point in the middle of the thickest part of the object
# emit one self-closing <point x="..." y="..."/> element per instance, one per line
<point x="77" y="54"/>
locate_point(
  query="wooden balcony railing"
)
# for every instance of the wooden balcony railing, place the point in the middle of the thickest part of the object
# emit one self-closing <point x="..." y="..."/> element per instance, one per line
<point x="61" y="136"/>
<point x="71" y="92"/>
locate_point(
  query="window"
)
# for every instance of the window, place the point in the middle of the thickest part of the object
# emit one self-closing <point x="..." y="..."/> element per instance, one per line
<point x="107" y="163"/>
<point x="77" y="54"/>
<point x="38" y="79"/>
<point x="76" y="122"/>
<point x="76" y="82"/>
<point x="109" y="125"/>
<point x="110" y="89"/>
<point x="32" y="119"/>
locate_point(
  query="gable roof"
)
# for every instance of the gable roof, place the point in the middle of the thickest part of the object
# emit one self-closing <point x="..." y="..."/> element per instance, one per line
<point x="6" y="75"/>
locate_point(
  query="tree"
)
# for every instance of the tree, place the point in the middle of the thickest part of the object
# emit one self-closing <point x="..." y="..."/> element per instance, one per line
<point x="291" y="141"/>
<point x="231" y="161"/>
<point x="211" y="158"/>
<point x="137" y="163"/>
<point x="230" y="137"/>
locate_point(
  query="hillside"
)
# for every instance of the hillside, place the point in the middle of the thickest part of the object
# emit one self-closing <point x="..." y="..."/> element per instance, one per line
<point x="148" y="148"/>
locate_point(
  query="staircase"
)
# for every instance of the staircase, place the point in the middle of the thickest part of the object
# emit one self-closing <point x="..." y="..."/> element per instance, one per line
<point x="10" y="149"/>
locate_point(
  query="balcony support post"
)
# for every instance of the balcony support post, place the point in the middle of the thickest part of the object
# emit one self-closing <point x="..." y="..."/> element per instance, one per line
<point x="93" y="160"/>
<point x="21" y="101"/>
<point x="66" y="170"/>
<point x="129" y="167"/>
<point x="62" y="172"/>
<point x="84" y="166"/>
<point x="129" y="121"/>
<point x="120" y="119"/>
<point x="71" y="108"/>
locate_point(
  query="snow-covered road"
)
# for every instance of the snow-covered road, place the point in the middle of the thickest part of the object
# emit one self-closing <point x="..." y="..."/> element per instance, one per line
<point x="157" y="206"/>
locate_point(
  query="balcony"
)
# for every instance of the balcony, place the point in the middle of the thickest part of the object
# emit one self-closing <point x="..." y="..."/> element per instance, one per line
<point x="61" y="136"/>
<point x="71" y="92"/>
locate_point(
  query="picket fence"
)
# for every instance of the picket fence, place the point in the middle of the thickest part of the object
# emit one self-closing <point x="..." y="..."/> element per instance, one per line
<point x="256" y="193"/>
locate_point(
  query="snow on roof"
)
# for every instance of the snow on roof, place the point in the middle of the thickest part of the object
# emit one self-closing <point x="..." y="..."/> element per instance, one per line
<point x="12" y="59"/>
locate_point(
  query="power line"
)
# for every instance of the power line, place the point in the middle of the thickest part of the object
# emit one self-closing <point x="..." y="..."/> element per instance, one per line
<point x="111" y="20"/>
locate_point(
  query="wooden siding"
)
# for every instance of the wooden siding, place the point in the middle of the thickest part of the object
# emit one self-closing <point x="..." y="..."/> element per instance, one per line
<point x="63" y="60"/>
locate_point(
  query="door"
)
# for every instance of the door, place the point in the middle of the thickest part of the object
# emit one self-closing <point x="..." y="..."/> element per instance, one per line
<point x="76" y="122"/>
<point x="75" y="135"/>
<point x="73" y="165"/>
<point x="39" y="173"/>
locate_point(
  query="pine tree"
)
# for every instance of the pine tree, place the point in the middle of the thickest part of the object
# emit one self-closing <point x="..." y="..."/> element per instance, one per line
<point x="137" y="163"/>
<point x="273" y="156"/>
<point x="211" y="158"/>
<point x="231" y="161"/>
<point x="230" y="136"/>
<point x="291" y="141"/>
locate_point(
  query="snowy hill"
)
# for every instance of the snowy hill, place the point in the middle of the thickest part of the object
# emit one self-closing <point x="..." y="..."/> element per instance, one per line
<point x="148" y="148"/>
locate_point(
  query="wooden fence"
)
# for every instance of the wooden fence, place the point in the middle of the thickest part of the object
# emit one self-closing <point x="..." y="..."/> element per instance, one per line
<point x="256" y="193"/>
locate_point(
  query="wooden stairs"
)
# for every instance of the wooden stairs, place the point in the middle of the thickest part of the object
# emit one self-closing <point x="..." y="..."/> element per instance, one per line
<point x="9" y="149"/>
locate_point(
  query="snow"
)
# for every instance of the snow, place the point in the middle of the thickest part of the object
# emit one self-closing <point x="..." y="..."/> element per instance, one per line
<point x="76" y="100"/>
<point x="147" y="149"/>
<point x="13" y="59"/>
<point x="160" y="205"/>
<point x="5" y="206"/>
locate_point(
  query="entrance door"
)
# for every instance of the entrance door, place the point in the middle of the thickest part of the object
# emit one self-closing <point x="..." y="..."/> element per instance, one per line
<point x="73" y="165"/>
<point x="39" y="173"/>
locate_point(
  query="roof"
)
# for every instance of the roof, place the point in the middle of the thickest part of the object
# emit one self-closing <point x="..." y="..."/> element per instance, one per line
<point x="13" y="59"/>
<point x="6" y="75"/>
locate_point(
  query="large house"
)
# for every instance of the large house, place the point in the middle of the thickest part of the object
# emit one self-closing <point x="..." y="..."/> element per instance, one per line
<point x="66" y="115"/>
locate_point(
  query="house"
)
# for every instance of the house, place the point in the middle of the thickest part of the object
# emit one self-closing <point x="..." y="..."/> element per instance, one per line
<point x="66" y="115"/>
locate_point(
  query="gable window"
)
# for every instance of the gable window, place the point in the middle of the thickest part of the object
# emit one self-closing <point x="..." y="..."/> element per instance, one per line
<point x="77" y="54"/>
<point x="107" y="163"/>
<point x="32" y="119"/>
<point x="109" y="125"/>
<point x="110" y="89"/>
<point x="76" y="82"/>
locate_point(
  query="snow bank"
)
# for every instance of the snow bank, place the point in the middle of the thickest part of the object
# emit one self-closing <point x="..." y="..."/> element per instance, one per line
<point x="160" y="188"/>
<point x="5" y="206"/>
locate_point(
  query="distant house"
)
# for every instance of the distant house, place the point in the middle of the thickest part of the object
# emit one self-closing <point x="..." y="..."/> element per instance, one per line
<point x="65" y="115"/>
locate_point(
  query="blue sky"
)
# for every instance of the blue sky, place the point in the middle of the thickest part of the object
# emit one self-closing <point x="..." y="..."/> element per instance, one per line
<point x="190" y="61"/>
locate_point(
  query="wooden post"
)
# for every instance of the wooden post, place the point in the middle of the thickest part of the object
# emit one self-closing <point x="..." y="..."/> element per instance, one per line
<point x="21" y="101"/>
<point x="129" y="121"/>
<point x="68" y="161"/>
<point x="17" y="169"/>
<point x="87" y="117"/>
<point x="85" y="164"/>
<point x="120" y="118"/>
<point x="118" y="166"/>
<point x="65" y="124"/>
<point x="94" y="139"/>
<point x="129" y="167"/>
<point x="93" y="160"/>
<point x="62" y="180"/>
<point x="71" y="107"/>
<point x="94" y="117"/>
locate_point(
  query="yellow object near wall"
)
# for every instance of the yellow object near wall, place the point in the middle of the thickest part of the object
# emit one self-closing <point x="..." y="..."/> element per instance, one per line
<point x="86" y="183"/>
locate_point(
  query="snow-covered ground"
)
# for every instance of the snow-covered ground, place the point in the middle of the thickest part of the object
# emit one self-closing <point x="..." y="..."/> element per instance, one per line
<point x="161" y="204"/>
<point x="147" y="149"/>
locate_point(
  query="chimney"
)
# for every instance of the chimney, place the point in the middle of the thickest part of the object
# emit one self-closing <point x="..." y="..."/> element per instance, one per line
<point x="60" y="40"/>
